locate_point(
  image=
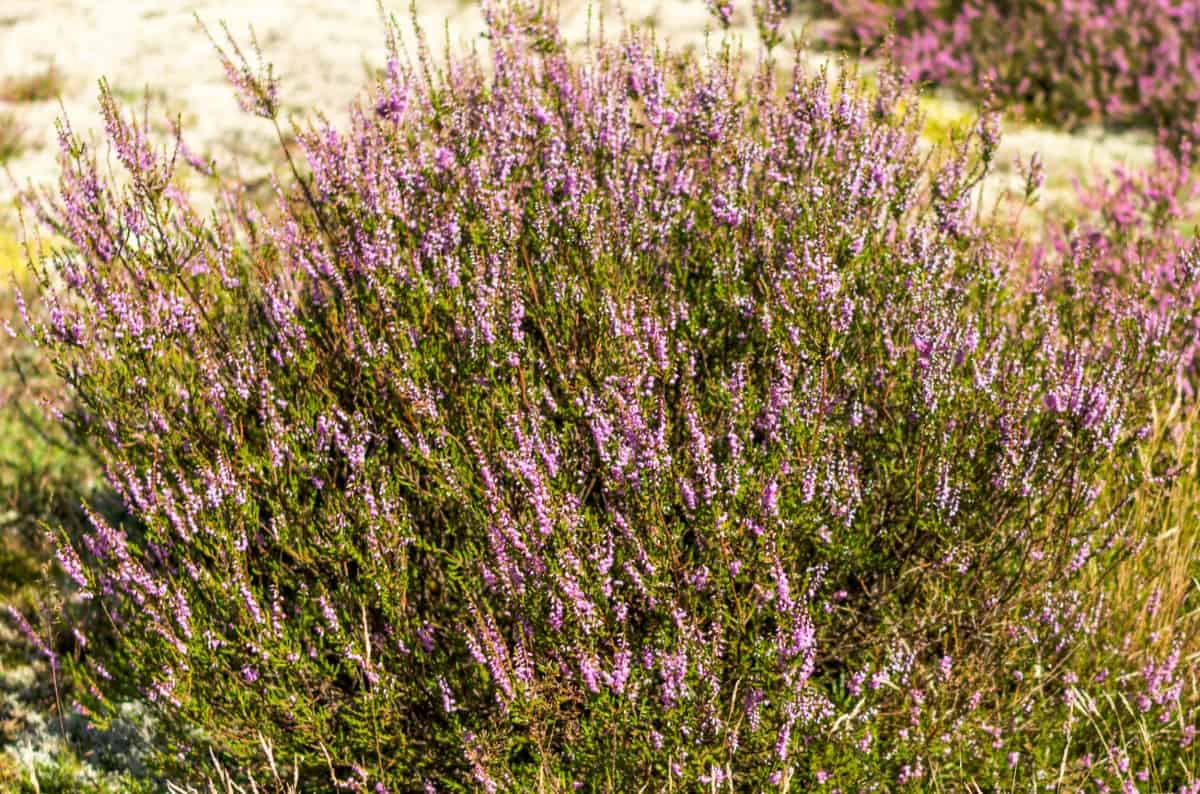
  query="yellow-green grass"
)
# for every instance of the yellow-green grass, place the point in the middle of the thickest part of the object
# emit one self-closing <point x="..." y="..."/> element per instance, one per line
<point x="945" y="121"/>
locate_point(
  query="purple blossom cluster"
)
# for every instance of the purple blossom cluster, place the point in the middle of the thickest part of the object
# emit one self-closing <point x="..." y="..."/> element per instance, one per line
<point x="619" y="418"/>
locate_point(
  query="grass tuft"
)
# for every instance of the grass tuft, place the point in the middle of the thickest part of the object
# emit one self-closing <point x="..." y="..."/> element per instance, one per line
<point x="38" y="86"/>
<point x="12" y="137"/>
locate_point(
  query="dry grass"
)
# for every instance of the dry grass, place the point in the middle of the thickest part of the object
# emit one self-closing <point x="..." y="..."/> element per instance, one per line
<point x="12" y="136"/>
<point x="1154" y="594"/>
<point x="34" y="87"/>
<point x="220" y="781"/>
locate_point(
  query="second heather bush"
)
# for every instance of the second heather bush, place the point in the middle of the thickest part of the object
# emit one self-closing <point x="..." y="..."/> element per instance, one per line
<point x="1114" y="60"/>
<point x="620" y="422"/>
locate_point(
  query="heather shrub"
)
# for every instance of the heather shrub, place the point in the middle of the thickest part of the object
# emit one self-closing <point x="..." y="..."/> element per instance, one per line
<point x="614" y="422"/>
<point x="1125" y="63"/>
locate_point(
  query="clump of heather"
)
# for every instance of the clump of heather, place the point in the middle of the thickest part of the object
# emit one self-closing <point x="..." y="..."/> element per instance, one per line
<point x="1126" y="63"/>
<point x="1130" y="222"/>
<point x="618" y="422"/>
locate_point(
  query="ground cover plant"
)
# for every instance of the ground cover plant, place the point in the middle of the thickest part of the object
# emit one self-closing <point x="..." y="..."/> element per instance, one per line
<point x="1069" y="62"/>
<point x="621" y="421"/>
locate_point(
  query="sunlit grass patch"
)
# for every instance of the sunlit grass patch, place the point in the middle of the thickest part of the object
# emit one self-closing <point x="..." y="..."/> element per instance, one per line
<point x="945" y="121"/>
